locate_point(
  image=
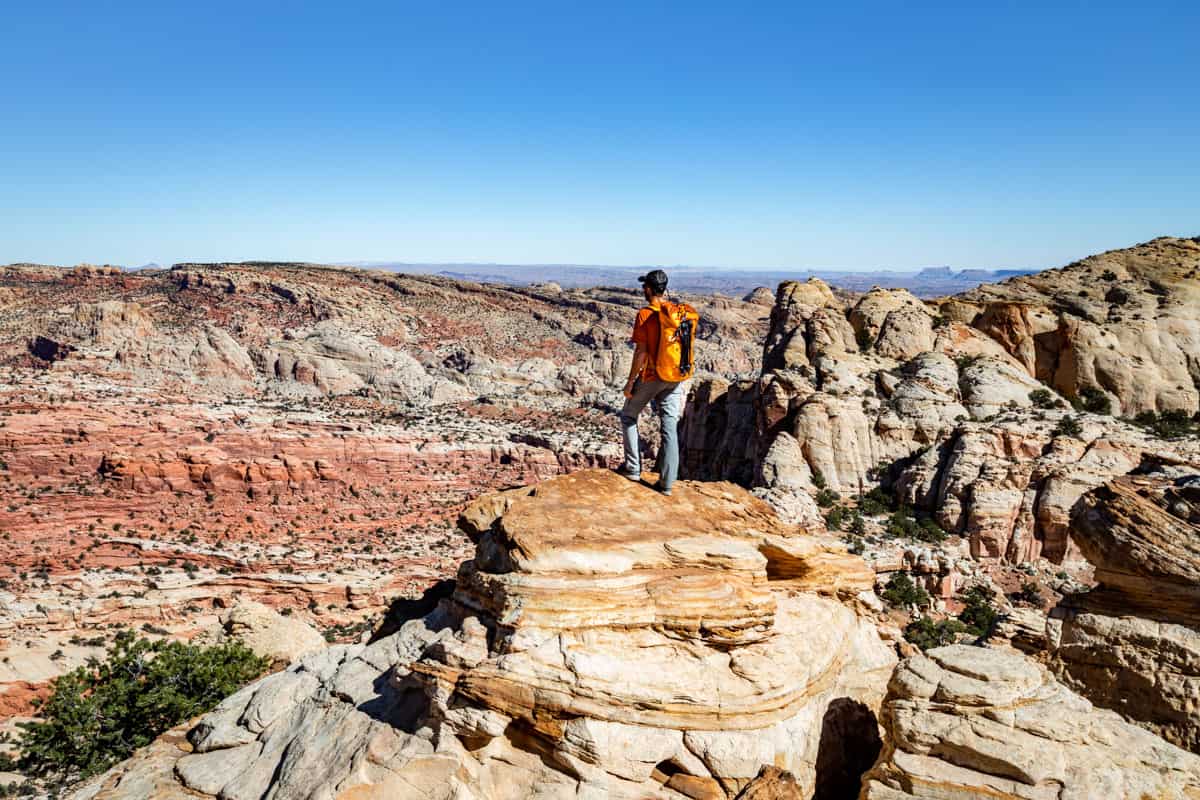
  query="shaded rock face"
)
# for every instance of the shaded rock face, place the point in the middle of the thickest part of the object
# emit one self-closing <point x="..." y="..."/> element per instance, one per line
<point x="603" y="642"/>
<point x="966" y="722"/>
<point x="1132" y="644"/>
<point x="943" y="395"/>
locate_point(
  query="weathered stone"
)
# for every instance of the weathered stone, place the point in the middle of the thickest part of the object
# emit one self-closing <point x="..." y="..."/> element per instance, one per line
<point x="665" y="653"/>
<point x="1132" y="643"/>
<point x="968" y="722"/>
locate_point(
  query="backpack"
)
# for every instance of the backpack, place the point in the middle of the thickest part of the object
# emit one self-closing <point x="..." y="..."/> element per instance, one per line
<point x="678" y="324"/>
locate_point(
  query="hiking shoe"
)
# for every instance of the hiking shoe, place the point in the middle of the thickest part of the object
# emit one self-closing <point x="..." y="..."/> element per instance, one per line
<point x="658" y="487"/>
<point x="635" y="477"/>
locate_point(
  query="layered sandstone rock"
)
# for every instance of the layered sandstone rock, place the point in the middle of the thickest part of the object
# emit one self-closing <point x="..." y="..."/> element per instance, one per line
<point x="603" y="642"/>
<point x="968" y="722"/>
<point x="958" y="396"/>
<point x="1122" y="322"/>
<point x="1133" y="643"/>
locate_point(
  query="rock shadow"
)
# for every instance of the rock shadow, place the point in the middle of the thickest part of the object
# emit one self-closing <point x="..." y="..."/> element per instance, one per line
<point x="848" y="747"/>
<point x="404" y="609"/>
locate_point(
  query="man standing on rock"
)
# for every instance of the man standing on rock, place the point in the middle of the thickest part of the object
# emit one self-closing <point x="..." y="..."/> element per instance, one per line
<point x="647" y="382"/>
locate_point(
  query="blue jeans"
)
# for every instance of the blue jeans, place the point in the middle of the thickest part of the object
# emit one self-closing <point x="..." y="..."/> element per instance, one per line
<point x="666" y="398"/>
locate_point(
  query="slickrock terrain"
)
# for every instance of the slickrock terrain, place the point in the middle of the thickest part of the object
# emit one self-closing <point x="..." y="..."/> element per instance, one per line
<point x="1124" y="322"/>
<point x="304" y="437"/>
<point x="969" y="722"/>
<point x="1132" y="643"/>
<point x="587" y="651"/>
<point x="953" y="404"/>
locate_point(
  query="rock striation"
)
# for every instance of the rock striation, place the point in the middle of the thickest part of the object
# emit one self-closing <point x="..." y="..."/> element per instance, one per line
<point x="1132" y="643"/>
<point x="968" y="722"/>
<point x="604" y="642"/>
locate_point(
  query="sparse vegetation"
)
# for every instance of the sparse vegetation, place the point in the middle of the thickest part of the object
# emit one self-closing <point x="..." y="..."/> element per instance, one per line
<point x="901" y="592"/>
<point x="904" y="524"/>
<point x="826" y="498"/>
<point x="1093" y="400"/>
<point x="1044" y="398"/>
<point x="1068" y="426"/>
<point x="875" y="502"/>
<point x="1030" y="593"/>
<point x="979" y="614"/>
<point x="1169" y="424"/>
<point x="99" y="714"/>
<point x="925" y="633"/>
<point x="1116" y="296"/>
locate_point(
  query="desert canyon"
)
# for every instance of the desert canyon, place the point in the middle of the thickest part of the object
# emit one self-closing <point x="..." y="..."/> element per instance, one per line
<point x="399" y="488"/>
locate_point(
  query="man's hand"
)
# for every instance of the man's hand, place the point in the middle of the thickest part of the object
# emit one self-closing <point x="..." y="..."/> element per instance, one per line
<point x="629" y="388"/>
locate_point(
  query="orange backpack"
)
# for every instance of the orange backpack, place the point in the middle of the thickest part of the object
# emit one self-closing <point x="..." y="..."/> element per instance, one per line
<point x="678" y="324"/>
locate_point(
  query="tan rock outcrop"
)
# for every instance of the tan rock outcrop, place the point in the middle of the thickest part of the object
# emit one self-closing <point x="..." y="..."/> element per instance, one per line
<point x="1122" y="322"/>
<point x="968" y="722"/>
<point x="1132" y="644"/>
<point x="603" y="642"/>
<point x="962" y="393"/>
<point x="266" y="632"/>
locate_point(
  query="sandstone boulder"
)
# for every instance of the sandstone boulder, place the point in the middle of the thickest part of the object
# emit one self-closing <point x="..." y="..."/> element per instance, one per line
<point x="266" y="632"/>
<point x="968" y="722"/>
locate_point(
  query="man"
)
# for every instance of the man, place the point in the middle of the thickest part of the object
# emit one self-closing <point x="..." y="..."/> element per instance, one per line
<point x="645" y="386"/>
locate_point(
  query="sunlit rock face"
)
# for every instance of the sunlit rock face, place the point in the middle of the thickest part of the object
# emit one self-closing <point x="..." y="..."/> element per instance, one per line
<point x="1132" y="644"/>
<point x="958" y="401"/>
<point x="604" y="641"/>
<point x="965" y="722"/>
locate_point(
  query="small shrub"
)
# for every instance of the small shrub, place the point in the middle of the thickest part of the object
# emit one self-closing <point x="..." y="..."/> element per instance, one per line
<point x="1030" y="593"/>
<point x="1109" y="275"/>
<point x="925" y="633"/>
<point x="875" y="502"/>
<point x="818" y="479"/>
<point x="901" y="592"/>
<point x="1116" y="296"/>
<point x="864" y="339"/>
<point x="964" y="362"/>
<point x="837" y="518"/>
<point x="1093" y="400"/>
<point x="99" y="714"/>
<point x="903" y="524"/>
<point x="1068" y="426"/>
<point x="1168" y="424"/>
<point x="979" y="614"/>
<point x="826" y="498"/>
<point x="1042" y="398"/>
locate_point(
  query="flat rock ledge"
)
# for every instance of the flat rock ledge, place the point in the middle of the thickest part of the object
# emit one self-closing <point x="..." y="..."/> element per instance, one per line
<point x="605" y="642"/>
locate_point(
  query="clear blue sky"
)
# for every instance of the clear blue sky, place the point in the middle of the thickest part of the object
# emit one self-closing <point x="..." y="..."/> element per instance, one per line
<point x="837" y="135"/>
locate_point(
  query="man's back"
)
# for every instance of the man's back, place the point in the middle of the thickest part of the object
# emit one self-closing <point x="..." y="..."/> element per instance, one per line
<point x="646" y="332"/>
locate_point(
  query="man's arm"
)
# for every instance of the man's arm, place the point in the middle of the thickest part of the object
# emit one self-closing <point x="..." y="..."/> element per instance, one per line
<point x="640" y="355"/>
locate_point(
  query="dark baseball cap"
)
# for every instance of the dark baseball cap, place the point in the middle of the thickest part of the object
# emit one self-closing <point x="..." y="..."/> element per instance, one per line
<point x="656" y="279"/>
